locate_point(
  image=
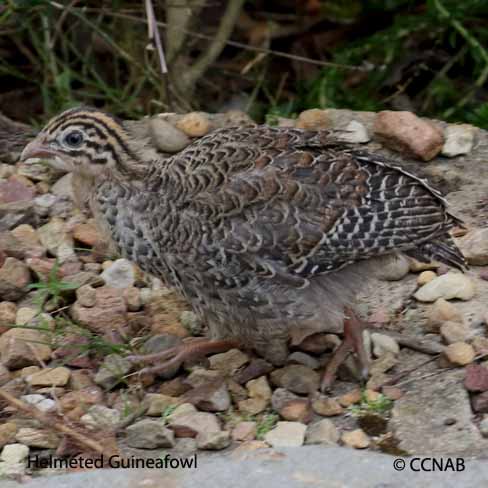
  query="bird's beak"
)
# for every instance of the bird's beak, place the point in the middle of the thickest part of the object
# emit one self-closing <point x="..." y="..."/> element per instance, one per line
<point x="37" y="149"/>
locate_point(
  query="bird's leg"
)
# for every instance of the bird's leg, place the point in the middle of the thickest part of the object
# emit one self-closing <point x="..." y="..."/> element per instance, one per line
<point x="193" y="349"/>
<point x="353" y="341"/>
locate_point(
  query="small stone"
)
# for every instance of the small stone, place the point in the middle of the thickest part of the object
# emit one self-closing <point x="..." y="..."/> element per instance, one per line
<point x="5" y="375"/>
<point x="453" y="332"/>
<point x="296" y="378"/>
<point x="14" y="279"/>
<point x="319" y="343"/>
<point x="252" y="406"/>
<point x="297" y="411"/>
<point x="322" y="432"/>
<point x="183" y="409"/>
<point x="459" y="353"/>
<point x="327" y="407"/>
<point x="15" y="190"/>
<point x="394" y="269"/>
<point x="447" y="286"/>
<point x="357" y="439"/>
<point x="40" y="402"/>
<point x="228" y="362"/>
<point x="383" y="364"/>
<point x="459" y="139"/>
<point x="120" y="274"/>
<point x="100" y="416"/>
<point x="194" y="124"/>
<point x="474" y="246"/>
<point x="354" y="133"/>
<point x="392" y="392"/>
<point x="313" y="119"/>
<point x="29" y="243"/>
<point x="8" y="312"/>
<point x="7" y="433"/>
<point x="86" y="296"/>
<point x="158" y="403"/>
<point x="259" y="388"/>
<point x="25" y="315"/>
<point x="50" y="377"/>
<point x="299" y="357"/>
<point x="200" y="376"/>
<point x="132" y="297"/>
<point x="14" y="453"/>
<point x="55" y="238"/>
<point x="257" y="367"/>
<point x="426" y="277"/>
<point x="476" y="378"/>
<point x="193" y="423"/>
<point x="166" y="136"/>
<point x="442" y="311"/>
<point x="282" y="397"/>
<point x="149" y="434"/>
<point x="405" y="132"/>
<point x="350" y="398"/>
<point x="23" y="347"/>
<point x="371" y="395"/>
<point x="112" y="371"/>
<point x="191" y="322"/>
<point x="479" y="402"/>
<point x="213" y="441"/>
<point x="243" y="431"/>
<point x="480" y="345"/>
<point x="37" y="438"/>
<point x="383" y="344"/>
<point x="286" y="434"/>
<point x="209" y="397"/>
<point x="484" y="426"/>
<point x="85" y="397"/>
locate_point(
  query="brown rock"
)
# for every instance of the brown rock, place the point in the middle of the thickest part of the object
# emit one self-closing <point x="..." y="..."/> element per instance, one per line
<point x="479" y="402"/>
<point x="50" y="377"/>
<point x="15" y="190"/>
<point x="314" y="119"/>
<point x="194" y="124"/>
<point x="132" y="297"/>
<point x="86" y="296"/>
<point x="480" y="345"/>
<point x="193" y="423"/>
<point x="228" y="362"/>
<point x="29" y="243"/>
<point x="459" y="354"/>
<point x="327" y="407"/>
<point x="319" y="343"/>
<point x="476" y="378"/>
<point x="322" y="432"/>
<point x="209" y="397"/>
<point x="296" y="378"/>
<point x="474" y="246"/>
<point x="7" y="433"/>
<point x="213" y="441"/>
<point x="392" y="392"/>
<point x="350" y="398"/>
<point x="86" y="233"/>
<point x="453" y="332"/>
<point x="257" y="367"/>
<point x="39" y="438"/>
<point x="158" y="403"/>
<point x="252" y="406"/>
<point x="425" y="277"/>
<point x="297" y="411"/>
<point x="259" y="388"/>
<point x="81" y="378"/>
<point x="164" y="311"/>
<point x="14" y="278"/>
<point x="244" y="431"/>
<point x="174" y="387"/>
<point x="108" y="313"/>
<point x="440" y="312"/>
<point x="8" y="312"/>
<point x="23" y="347"/>
<point x="405" y="132"/>
<point x="5" y="375"/>
<point x="356" y="439"/>
<point x="84" y="398"/>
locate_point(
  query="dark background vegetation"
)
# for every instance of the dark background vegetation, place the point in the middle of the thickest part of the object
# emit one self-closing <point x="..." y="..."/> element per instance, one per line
<point x="430" y="57"/>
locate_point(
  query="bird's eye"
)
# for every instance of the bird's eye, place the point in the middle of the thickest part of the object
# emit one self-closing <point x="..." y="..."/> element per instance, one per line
<point x="73" y="138"/>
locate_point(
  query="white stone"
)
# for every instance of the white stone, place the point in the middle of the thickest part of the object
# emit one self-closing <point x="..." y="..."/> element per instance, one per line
<point x="474" y="246"/>
<point x="63" y="187"/>
<point x="447" y="286"/>
<point x="14" y="453"/>
<point x="459" y="139"/>
<point x="355" y="133"/>
<point x="286" y="434"/>
<point x="40" y="402"/>
<point x="120" y="274"/>
<point x="383" y="344"/>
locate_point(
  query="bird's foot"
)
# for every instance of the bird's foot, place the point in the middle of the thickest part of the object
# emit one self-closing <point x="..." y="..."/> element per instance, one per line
<point x="193" y="349"/>
<point x="353" y="342"/>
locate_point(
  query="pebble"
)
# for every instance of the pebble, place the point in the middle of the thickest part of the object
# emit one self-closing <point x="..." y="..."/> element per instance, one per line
<point x="112" y="371"/>
<point x="299" y="357"/>
<point x="350" y="398"/>
<point x="313" y="119"/>
<point x="56" y="239"/>
<point x="327" y="407"/>
<point x="453" y="332"/>
<point x="5" y="375"/>
<point x="296" y="378"/>
<point x="100" y="416"/>
<point x="191" y="322"/>
<point x="357" y="439"/>
<point x="211" y="397"/>
<point x="319" y="343"/>
<point x="132" y="297"/>
<point x="281" y="397"/>
<point x="257" y="367"/>
<point x="480" y="345"/>
<point x="14" y="279"/>
<point x="286" y="434"/>
<point x="297" y="411"/>
<point x="479" y="402"/>
<point x="459" y="139"/>
<point x="383" y="344"/>
<point x="86" y="233"/>
<point x="441" y="312"/>
<point x="474" y="246"/>
<point x="392" y="392"/>
<point x="322" y="432"/>
<point x="259" y="388"/>
<point x="405" y="132"/>
<point x="394" y="268"/>
<point x="50" y="377"/>
<point x="37" y="438"/>
<point x="193" y="423"/>
<point x="157" y="403"/>
<point x="244" y="431"/>
<point x="252" y="406"/>
<point x="13" y="460"/>
<point x="149" y="434"/>
<point x="86" y="296"/>
<point x="25" y="314"/>
<point x="213" y="441"/>
<point x="15" y="189"/>
<point x="476" y="378"/>
<point x="7" y="433"/>
<point x="201" y="376"/>
<point x="228" y="362"/>
<point x="8" y="313"/>
<point x="166" y="136"/>
<point x="43" y="204"/>
<point x="194" y="124"/>
<point x="120" y="274"/>
<point x="447" y="286"/>
<point x="23" y="347"/>
<point x="87" y="396"/>
<point x="459" y="353"/>
<point x="425" y="277"/>
<point x="39" y="401"/>
<point x="354" y="133"/>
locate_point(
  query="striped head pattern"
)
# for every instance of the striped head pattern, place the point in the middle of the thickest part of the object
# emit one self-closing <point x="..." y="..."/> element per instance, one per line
<point x="82" y="140"/>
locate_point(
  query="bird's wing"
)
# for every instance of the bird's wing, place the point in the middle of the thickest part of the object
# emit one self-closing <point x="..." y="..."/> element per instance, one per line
<point x="300" y="203"/>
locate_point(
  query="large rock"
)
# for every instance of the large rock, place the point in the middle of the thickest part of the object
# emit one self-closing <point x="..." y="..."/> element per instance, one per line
<point x="14" y="279"/>
<point x="23" y="347"/>
<point x="149" y="434"/>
